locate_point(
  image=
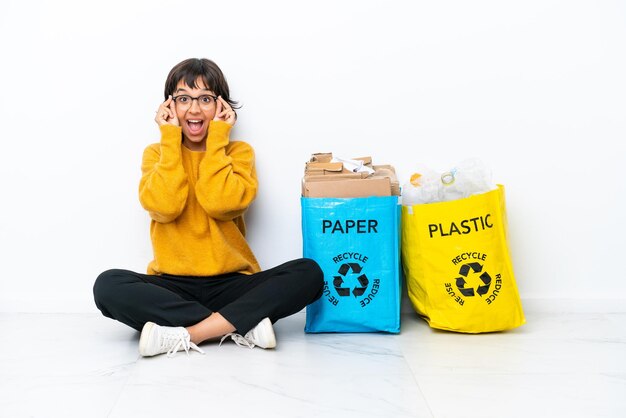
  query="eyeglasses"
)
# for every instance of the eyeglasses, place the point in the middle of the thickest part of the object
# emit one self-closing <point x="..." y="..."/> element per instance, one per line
<point x="205" y="101"/>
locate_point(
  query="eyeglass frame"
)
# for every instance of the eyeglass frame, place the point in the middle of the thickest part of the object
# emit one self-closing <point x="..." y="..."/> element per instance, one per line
<point x="194" y="98"/>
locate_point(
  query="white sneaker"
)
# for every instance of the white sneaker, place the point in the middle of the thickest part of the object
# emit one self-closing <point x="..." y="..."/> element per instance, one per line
<point x="156" y="339"/>
<point x="260" y="336"/>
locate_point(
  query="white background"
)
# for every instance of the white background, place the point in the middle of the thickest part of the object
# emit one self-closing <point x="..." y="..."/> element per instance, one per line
<point x="534" y="88"/>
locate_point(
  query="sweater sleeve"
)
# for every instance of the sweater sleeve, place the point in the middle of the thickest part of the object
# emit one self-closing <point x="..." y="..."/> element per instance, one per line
<point x="227" y="181"/>
<point x="163" y="188"/>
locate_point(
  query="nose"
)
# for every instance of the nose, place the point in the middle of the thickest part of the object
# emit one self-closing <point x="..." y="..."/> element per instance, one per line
<point x="195" y="106"/>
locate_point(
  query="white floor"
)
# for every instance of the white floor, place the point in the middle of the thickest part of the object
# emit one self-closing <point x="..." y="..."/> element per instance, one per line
<point x="567" y="361"/>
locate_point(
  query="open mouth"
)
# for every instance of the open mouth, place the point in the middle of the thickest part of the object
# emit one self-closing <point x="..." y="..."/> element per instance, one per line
<point x="195" y="126"/>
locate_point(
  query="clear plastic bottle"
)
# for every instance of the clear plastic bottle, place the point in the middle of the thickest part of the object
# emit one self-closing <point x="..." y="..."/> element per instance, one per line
<point x="468" y="177"/>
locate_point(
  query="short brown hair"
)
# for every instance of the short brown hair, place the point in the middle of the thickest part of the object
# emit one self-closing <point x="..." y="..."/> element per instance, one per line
<point x="190" y="69"/>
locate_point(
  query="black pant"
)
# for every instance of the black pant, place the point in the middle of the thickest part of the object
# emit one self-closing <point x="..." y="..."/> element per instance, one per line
<point x="243" y="300"/>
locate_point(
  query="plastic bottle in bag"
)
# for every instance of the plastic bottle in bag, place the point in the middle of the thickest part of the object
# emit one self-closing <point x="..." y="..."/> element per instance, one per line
<point x="468" y="177"/>
<point x="422" y="188"/>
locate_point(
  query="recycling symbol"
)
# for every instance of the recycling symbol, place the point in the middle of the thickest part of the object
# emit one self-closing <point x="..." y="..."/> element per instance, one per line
<point x="339" y="280"/>
<point x="475" y="268"/>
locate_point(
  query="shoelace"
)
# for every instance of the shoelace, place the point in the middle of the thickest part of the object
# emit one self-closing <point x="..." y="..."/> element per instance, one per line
<point x="179" y="341"/>
<point x="238" y="339"/>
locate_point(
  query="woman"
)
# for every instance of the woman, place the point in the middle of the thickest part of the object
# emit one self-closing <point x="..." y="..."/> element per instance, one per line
<point x="196" y="184"/>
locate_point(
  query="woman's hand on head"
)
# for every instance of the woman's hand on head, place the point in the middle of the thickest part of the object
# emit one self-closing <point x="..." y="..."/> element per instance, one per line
<point x="225" y="112"/>
<point x="166" y="114"/>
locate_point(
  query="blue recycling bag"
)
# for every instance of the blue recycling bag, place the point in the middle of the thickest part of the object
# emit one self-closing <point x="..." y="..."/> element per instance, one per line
<point x="356" y="242"/>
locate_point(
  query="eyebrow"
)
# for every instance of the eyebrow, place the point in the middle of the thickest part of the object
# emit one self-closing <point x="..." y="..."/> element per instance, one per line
<point x="185" y="90"/>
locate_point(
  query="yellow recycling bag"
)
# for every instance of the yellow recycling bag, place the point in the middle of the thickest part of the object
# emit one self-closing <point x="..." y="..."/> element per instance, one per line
<point x="457" y="264"/>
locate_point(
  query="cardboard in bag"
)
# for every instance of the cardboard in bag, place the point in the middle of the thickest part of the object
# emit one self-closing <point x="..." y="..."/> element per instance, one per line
<point x="347" y="188"/>
<point x="324" y="178"/>
<point x="350" y="223"/>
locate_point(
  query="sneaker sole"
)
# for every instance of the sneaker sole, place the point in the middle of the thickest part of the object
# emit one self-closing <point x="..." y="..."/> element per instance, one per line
<point x="269" y="336"/>
<point x="145" y="337"/>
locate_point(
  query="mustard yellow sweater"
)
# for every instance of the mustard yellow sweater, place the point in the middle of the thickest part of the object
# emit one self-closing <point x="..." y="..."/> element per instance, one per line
<point x="196" y="201"/>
